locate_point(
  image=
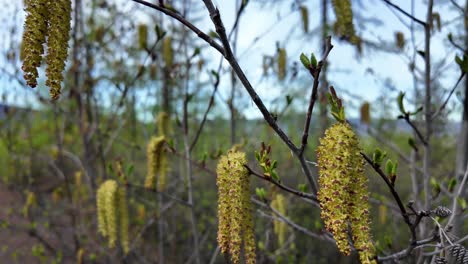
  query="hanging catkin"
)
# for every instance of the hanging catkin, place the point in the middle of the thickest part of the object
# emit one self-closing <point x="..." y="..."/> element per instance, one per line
<point x="235" y="227"/>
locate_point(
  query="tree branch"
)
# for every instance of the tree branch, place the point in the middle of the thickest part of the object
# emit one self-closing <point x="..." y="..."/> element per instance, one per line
<point x="315" y="72"/>
<point x="422" y="23"/>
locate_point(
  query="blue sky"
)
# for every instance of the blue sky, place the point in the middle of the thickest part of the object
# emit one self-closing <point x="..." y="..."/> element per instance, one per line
<point x="347" y="70"/>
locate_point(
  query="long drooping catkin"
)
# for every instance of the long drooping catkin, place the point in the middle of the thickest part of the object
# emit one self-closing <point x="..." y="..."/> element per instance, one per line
<point x="343" y="193"/>
<point x="235" y="227"/>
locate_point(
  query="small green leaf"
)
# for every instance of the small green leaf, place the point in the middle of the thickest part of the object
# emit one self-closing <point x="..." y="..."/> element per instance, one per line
<point x="257" y="156"/>
<point x="433" y="182"/>
<point x="395" y="167"/>
<point x="130" y="169"/>
<point x="412" y="143"/>
<point x="260" y="193"/>
<point x="389" y="167"/>
<point x="462" y="203"/>
<point x="304" y="60"/>
<point x="313" y="60"/>
<point x="289" y="99"/>
<point x="275" y="176"/>
<point x="274" y="164"/>
<point x="302" y="187"/>
<point x="378" y="156"/>
<point x="400" y="97"/>
<point x="451" y="185"/>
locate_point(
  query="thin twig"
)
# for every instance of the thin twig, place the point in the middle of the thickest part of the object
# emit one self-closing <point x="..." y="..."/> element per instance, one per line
<point x="315" y="72"/>
<point x="442" y="107"/>
<point x="420" y="136"/>
<point x="394" y="193"/>
<point x="422" y="23"/>
<point x="205" y="115"/>
<point x="185" y="22"/>
<point x="229" y="56"/>
<point x="282" y="186"/>
<point x="292" y="224"/>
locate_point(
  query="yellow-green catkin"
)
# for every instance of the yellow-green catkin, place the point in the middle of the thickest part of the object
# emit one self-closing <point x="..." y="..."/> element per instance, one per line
<point x="344" y="18"/>
<point x="30" y="202"/>
<point x="282" y="63"/>
<point x="279" y="204"/>
<point x="57" y="43"/>
<point x="34" y="36"/>
<point x="343" y="193"/>
<point x="124" y="219"/>
<point x="305" y="18"/>
<point x="156" y="162"/>
<point x="80" y="256"/>
<point x="365" y="113"/>
<point x="164" y="123"/>
<point x="400" y="40"/>
<point x="359" y="212"/>
<point x="168" y="53"/>
<point x="142" y="36"/>
<point x="235" y="227"/>
<point x="112" y="213"/>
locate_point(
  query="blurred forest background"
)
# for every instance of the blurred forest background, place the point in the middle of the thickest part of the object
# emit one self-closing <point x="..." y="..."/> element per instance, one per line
<point x="131" y="67"/>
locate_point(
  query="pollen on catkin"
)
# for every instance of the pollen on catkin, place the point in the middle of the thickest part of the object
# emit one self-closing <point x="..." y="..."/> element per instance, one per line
<point x="112" y="213"/>
<point x="156" y="163"/>
<point x="34" y="36"/>
<point x="400" y="40"/>
<point x="164" y="123"/>
<point x="305" y="18"/>
<point x="278" y="203"/>
<point x="57" y="44"/>
<point x="344" y="18"/>
<point x="142" y="36"/>
<point x="168" y="53"/>
<point x="235" y="227"/>
<point x="282" y="62"/>
<point x="343" y="193"/>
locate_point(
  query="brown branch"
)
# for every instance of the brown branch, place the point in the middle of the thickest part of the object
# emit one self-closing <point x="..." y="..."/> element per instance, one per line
<point x="205" y="115"/>
<point x="185" y="22"/>
<point x="406" y="252"/>
<point x="315" y="72"/>
<point x="422" y="23"/>
<point x="308" y="196"/>
<point x="442" y="107"/>
<point x="394" y="193"/>
<point x="229" y="56"/>
<point x="406" y="117"/>
<point x="324" y="236"/>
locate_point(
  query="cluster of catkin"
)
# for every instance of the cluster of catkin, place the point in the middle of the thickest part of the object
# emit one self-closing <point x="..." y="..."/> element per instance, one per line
<point x="235" y="227"/>
<point x="343" y="194"/>
<point x="112" y="212"/>
<point x="46" y="20"/>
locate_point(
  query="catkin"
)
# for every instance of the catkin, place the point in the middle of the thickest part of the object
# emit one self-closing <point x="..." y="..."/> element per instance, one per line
<point x="168" y="53"/>
<point x="343" y="193"/>
<point x="279" y="227"/>
<point x="57" y="42"/>
<point x="142" y="36"/>
<point x="34" y="36"/>
<point x="282" y="62"/>
<point x="235" y="227"/>
<point x="156" y="162"/>
<point x="112" y="213"/>
<point x="399" y="40"/>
